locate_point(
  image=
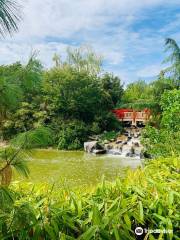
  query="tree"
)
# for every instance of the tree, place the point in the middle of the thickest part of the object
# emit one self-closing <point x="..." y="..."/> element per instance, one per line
<point x="12" y="158"/>
<point x="75" y="95"/>
<point x="84" y="59"/>
<point x="29" y="77"/>
<point x="165" y="140"/>
<point x="10" y="90"/>
<point x="174" y="58"/>
<point x="112" y="86"/>
<point x="138" y="95"/>
<point x="170" y="103"/>
<point x="20" y="89"/>
<point x="9" y="16"/>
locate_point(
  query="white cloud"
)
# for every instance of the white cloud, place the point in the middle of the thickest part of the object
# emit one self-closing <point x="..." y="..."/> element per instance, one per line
<point x="149" y="71"/>
<point x="82" y="21"/>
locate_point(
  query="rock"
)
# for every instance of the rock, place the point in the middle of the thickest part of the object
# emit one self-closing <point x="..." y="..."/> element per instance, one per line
<point x="136" y="144"/>
<point x="120" y="148"/>
<point x="99" y="151"/>
<point x="132" y="150"/>
<point x="147" y="155"/>
<point x="89" y="146"/>
<point x="129" y="154"/>
<point x="94" y="147"/>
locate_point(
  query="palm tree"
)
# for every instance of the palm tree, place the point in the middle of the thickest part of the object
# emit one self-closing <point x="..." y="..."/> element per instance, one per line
<point x="9" y="16"/>
<point x="12" y="157"/>
<point x="174" y="58"/>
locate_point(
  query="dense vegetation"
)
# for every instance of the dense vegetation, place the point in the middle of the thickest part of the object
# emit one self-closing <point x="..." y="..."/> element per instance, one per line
<point x="146" y="197"/>
<point x="73" y="100"/>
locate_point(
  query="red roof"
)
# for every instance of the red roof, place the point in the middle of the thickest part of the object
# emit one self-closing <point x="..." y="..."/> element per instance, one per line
<point x="120" y="112"/>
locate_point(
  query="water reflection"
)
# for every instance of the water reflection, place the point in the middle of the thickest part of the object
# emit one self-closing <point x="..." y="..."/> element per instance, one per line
<point x="76" y="168"/>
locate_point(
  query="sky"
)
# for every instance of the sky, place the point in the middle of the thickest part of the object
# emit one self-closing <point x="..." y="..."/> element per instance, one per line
<point x="128" y="34"/>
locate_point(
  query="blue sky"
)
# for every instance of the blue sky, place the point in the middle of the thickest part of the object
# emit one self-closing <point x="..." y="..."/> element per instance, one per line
<point x="129" y="34"/>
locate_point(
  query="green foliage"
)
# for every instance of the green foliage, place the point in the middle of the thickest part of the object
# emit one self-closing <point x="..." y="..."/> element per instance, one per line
<point x="138" y="95"/>
<point x="166" y="140"/>
<point x="174" y="59"/>
<point x="112" y="86"/>
<point x="161" y="142"/>
<point x="108" y="135"/>
<point x="73" y="94"/>
<point x="10" y="91"/>
<point x="30" y="77"/>
<point x="107" y="122"/>
<point x="11" y="157"/>
<point x="146" y="197"/>
<point x="170" y="103"/>
<point x="84" y="59"/>
<point x="27" y="117"/>
<point x="37" y="138"/>
<point x="72" y="135"/>
<point x="71" y="91"/>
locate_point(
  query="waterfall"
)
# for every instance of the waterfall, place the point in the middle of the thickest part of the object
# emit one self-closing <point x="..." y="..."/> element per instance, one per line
<point x="127" y="145"/>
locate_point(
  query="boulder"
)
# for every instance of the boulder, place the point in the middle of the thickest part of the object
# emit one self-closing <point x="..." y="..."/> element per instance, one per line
<point x="108" y="147"/>
<point x="136" y="144"/>
<point x="89" y="146"/>
<point x="94" y="147"/>
<point x="99" y="151"/>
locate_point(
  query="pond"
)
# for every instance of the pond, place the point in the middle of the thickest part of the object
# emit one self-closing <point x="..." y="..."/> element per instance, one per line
<point x="76" y="168"/>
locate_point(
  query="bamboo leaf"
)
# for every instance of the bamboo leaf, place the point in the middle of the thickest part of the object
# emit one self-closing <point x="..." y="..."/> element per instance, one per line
<point x="141" y="212"/>
<point x="96" y="218"/>
<point x="127" y="221"/>
<point x="89" y="234"/>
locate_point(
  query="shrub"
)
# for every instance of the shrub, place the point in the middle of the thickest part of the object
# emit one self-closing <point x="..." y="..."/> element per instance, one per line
<point x="72" y="135"/>
<point x="109" y="135"/>
<point x="170" y="103"/>
<point x="108" y="122"/>
<point x="161" y="142"/>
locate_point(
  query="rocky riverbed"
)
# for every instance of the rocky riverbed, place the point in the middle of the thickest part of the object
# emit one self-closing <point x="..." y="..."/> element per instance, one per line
<point x="126" y="145"/>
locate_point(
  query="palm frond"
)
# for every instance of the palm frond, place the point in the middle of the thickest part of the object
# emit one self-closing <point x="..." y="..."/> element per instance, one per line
<point x="39" y="137"/>
<point x="174" y="59"/>
<point x="9" y="16"/>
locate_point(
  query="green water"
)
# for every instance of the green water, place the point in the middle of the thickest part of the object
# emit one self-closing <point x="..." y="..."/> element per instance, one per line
<point x="75" y="168"/>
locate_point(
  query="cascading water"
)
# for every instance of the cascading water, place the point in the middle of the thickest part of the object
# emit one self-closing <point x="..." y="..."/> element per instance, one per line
<point x="127" y="145"/>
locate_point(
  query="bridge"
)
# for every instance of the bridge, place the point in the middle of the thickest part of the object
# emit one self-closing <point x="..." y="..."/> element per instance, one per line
<point x="132" y="117"/>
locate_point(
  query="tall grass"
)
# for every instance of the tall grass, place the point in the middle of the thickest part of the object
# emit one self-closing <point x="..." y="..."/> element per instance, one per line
<point x="147" y="197"/>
